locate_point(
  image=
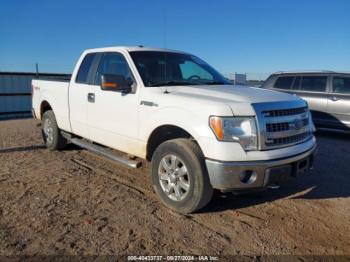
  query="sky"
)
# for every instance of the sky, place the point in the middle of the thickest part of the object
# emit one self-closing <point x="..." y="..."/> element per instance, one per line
<point x="244" y="36"/>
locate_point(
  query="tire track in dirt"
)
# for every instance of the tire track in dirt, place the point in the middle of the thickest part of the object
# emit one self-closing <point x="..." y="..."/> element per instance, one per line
<point x="97" y="167"/>
<point x="89" y="164"/>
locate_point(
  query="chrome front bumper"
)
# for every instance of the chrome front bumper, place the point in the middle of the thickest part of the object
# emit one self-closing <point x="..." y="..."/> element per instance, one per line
<point x="230" y="176"/>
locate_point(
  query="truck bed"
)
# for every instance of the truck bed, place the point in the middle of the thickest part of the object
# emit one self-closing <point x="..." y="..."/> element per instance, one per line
<point x="56" y="94"/>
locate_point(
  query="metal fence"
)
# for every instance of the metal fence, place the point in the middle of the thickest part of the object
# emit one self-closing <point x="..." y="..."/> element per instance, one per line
<point x="16" y="92"/>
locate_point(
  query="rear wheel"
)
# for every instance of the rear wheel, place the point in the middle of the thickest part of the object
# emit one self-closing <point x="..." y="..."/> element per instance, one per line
<point x="51" y="133"/>
<point x="179" y="176"/>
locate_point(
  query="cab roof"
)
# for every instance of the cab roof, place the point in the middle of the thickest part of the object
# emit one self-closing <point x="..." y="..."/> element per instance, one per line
<point x="132" y="49"/>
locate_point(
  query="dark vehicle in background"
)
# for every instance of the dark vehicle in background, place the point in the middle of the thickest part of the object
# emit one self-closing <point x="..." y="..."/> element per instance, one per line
<point x="327" y="93"/>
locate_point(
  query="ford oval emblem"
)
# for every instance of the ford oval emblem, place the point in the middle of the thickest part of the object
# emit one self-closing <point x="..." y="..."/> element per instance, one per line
<point x="296" y="124"/>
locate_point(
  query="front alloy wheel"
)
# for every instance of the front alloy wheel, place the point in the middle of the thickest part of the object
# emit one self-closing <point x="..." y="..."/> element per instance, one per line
<point x="179" y="175"/>
<point x="173" y="177"/>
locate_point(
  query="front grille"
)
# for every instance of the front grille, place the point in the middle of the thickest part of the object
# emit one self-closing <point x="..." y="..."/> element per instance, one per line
<point x="282" y="124"/>
<point x="285" y="112"/>
<point x="287" y="140"/>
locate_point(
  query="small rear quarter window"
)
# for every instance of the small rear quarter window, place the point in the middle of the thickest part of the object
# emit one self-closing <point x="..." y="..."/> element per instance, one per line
<point x="84" y="69"/>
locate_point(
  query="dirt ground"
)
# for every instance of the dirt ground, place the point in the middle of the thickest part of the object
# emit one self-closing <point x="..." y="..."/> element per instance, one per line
<point x="76" y="203"/>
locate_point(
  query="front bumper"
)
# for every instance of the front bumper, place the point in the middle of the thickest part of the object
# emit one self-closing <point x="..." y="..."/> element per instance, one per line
<point x="230" y="176"/>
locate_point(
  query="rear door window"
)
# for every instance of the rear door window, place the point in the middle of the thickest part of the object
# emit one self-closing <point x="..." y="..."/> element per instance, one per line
<point x="83" y="73"/>
<point x="314" y="83"/>
<point x="284" y="82"/>
<point x="341" y="85"/>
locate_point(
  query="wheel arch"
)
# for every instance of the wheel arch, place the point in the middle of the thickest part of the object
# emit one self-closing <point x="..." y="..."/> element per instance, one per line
<point x="44" y="106"/>
<point x="164" y="133"/>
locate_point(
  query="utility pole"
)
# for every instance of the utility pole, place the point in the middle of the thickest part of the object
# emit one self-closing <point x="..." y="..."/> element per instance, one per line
<point x="37" y="70"/>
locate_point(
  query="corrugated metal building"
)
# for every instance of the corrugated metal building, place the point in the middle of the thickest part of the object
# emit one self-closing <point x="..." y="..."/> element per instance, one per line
<point x="16" y="91"/>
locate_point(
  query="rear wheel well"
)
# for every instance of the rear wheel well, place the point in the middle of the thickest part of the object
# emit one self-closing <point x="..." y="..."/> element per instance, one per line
<point x="162" y="134"/>
<point x="45" y="106"/>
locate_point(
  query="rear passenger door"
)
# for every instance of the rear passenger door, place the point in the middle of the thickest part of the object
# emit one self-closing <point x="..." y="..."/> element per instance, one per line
<point x="314" y="89"/>
<point x="339" y="102"/>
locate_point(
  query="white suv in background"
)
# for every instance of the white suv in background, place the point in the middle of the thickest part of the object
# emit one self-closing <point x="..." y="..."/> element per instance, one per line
<point x="327" y="93"/>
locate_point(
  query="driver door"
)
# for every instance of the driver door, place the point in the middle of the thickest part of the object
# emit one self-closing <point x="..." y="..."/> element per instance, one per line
<point x="113" y="115"/>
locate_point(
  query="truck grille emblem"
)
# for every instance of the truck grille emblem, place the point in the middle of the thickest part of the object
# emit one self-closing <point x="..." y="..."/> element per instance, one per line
<point x="297" y="124"/>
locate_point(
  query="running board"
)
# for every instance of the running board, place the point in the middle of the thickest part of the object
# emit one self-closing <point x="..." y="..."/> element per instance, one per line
<point x="105" y="152"/>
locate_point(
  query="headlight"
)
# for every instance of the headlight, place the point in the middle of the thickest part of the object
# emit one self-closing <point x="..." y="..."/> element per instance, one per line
<point x="236" y="129"/>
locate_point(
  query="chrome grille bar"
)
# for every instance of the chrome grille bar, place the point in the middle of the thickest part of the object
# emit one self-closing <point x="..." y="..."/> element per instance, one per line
<point x="288" y="133"/>
<point x="287" y="140"/>
<point x="285" y="112"/>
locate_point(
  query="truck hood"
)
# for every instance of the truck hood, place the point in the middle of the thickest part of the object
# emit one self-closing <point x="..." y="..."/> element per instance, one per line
<point x="238" y="98"/>
<point x="233" y="93"/>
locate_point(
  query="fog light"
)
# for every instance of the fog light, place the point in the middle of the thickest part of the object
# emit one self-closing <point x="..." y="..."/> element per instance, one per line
<point x="248" y="176"/>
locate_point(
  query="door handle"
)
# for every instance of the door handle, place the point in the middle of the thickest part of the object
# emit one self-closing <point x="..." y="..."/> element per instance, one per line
<point x="334" y="98"/>
<point x="91" y="97"/>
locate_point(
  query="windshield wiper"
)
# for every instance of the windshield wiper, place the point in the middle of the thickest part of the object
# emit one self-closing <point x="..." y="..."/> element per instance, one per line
<point x="172" y="83"/>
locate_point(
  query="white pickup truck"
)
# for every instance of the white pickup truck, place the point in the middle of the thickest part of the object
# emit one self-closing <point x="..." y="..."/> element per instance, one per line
<point x="171" y="108"/>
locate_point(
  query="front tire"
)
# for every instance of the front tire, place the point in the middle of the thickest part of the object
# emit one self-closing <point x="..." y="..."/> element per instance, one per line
<point x="179" y="176"/>
<point x="51" y="133"/>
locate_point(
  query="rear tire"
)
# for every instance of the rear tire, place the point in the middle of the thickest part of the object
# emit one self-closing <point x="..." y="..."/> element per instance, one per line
<point x="51" y="133"/>
<point x="180" y="177"/>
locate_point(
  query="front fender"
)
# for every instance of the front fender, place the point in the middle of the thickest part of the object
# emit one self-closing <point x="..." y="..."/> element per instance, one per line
<point x="185" y="119"/>
<point x="194" y="124"/>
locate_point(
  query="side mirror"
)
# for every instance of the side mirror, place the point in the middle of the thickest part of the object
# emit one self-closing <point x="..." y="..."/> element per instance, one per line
<point x="117" y="83"/>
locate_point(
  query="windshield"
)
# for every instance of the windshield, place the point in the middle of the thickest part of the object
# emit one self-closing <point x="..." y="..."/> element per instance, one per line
<point x="168" y="68"/>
